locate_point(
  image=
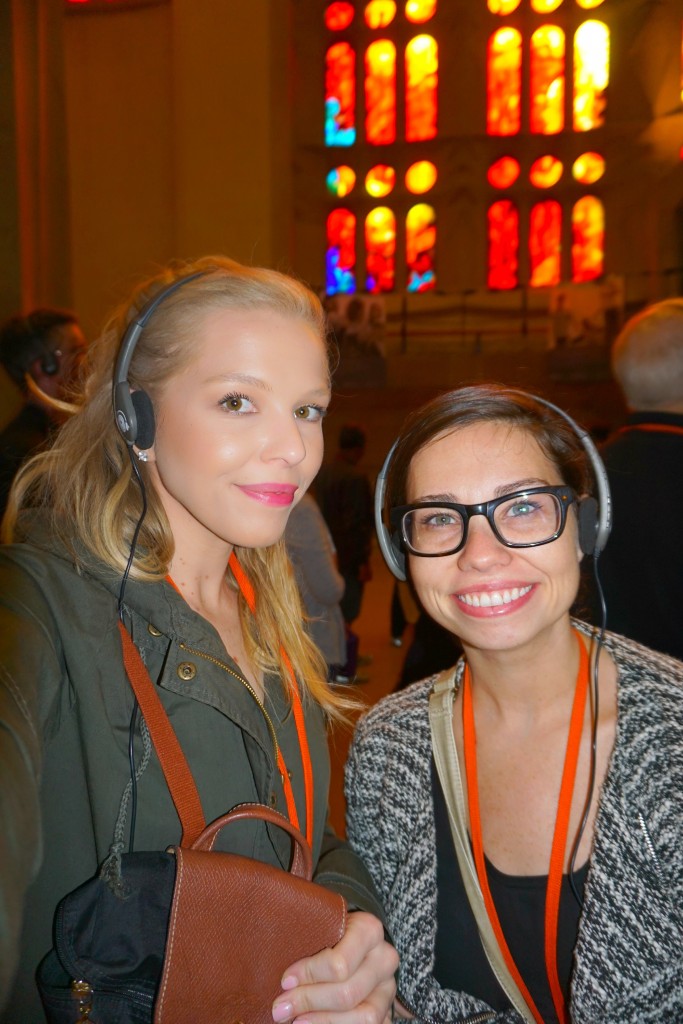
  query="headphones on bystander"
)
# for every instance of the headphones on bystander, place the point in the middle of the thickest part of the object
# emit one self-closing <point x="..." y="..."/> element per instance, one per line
<point x="594" y="515"/>
<point x="50" y="363"/>
<point x="133" y="410"/>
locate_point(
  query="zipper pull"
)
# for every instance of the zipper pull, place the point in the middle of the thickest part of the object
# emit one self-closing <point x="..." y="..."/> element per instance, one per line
<point x="82" y="991"/>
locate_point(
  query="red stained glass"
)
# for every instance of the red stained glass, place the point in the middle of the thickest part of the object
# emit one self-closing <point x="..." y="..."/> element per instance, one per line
<point x="380" y="92"/>
<point x="545" y="236"/>
<point x="420" y="248"/>
<point x="340" y="96"/>
<point x="545" y="172"/>
<point x="547" y="80"/>
<point x="504" y="172"/>
<point x="339" y="16"/>
<point x="422" y="67"/>
<point x="341" y="252"/>
<point x="504" y="82"/>
<point x="588" y="239"/>
<point x="503" y="230"/>
<point x="380" y="250"/>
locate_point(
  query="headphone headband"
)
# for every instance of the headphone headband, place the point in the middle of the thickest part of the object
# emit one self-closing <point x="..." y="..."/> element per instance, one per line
<point x="595" y="517"/>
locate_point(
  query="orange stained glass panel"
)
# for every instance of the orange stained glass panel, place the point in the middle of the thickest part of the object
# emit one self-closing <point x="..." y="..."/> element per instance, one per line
<point x="591" y="75"/>
<point x="339" y="16"/>
<point x="545" y="6"/>
<point x="503" y="7"/>
<point x="545" y="237"/>
<point x="380" y="92"/>
<point x="380" y="180"/>
<point x="420" y="248"/>
<point x="504" y="172"/>
<point x="380" y="250"/>
<point x="588" y="168"/>
<point x="380" y="13"/>
<point x="504" y="82"/>
<point x="588" y="5"/>
<point x="341" y="180"/>
<point x="503" y="231"/>
<point x="420" y="177"/>
<point x="588" y="239"/>
<point x="419" y="11"/>
<point x="341" y="252"/>
<point x="547" y="80"/>
<point x="340" y="95"/>
<point x="545" y="172"/>
<point x="422" y="77"/>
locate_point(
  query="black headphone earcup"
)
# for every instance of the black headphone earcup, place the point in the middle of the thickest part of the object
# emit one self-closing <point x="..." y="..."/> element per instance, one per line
<point x="49" y="364"/>
<point x="144" y="416"/>
<point x="588" y="525"/>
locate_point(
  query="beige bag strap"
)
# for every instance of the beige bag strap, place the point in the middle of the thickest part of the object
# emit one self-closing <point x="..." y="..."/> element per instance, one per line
<point x="448" y="767"/>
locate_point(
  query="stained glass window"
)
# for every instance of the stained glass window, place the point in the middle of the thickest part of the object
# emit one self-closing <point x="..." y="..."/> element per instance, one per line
<point x="545" y="172"/>
<point x="420" y="248"/>
<point x="380" y="92"/>
<point x="422" y="64"/>
<point x="380" y="180"/>
<point x="504" y="82"/>
<point x="588" y="168"/>
<point x="340" y="96"/>
<point x="380" y="13"/>
<point x="545" y="6"/>
<point x="591" y="75"/>
<point x="341" y="252"/>
<point x="547" y="80"/>
<point x="588" y="5"/>
<point x="588" y="239"/>
<point x="503" y="230"/>
<point x="339" y="16"/>
<point x="545" y="242"/>
<point x="419" y="11"/>
<point x="420" y="177"/>
<point x="504" y="172"/>
<point x="380" y="248"/>
<point x="503" y="7"/>
<point x="340" y="181"/>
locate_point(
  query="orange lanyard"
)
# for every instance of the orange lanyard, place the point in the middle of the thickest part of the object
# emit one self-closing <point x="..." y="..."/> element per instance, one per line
<point x="552" y="898"/>
<point x="247" y="592"/>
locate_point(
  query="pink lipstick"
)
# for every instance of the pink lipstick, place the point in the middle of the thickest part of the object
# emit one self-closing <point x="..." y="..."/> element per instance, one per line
<point x="278" y="495"/>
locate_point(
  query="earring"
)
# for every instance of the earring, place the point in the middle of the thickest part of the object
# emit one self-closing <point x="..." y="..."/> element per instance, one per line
<point x="143" y="456"/>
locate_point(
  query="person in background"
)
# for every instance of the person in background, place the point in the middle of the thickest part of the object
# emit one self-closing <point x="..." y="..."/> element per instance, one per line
<point x="641" y="569"/>
<point x="569" y="744"/>
<point x="42" y="353"/>
<point x="175" y="529"/>
<point x="344" y="495"/>
<point x="310" y="548"/>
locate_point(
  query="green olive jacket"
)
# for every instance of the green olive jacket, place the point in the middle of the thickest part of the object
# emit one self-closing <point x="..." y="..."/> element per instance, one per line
<point x="65" y="714"/>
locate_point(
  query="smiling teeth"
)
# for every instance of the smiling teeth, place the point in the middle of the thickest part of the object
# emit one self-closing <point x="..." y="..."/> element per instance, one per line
<point x="496" y="597"/>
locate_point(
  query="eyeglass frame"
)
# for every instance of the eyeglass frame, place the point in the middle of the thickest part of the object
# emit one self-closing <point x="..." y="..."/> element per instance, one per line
<point x="566" y="496"/>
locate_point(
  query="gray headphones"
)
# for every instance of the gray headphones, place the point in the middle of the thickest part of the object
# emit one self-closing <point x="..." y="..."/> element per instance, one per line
<point x="595" y="516"/>
<point x="133" y="411"/>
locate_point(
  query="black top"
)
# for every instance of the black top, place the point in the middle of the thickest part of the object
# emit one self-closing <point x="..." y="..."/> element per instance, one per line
<point x="460" y="961"/>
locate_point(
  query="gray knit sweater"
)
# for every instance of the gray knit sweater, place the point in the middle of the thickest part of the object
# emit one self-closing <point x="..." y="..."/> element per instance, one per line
<point x="628" y="959"/>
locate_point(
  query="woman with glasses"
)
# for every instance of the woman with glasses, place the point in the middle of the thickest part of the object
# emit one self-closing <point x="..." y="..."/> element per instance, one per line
<point x="521" y="813"/>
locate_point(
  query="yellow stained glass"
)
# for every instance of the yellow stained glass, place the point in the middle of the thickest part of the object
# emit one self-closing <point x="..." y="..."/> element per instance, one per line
<point x="545" y="172"/>
<point x="503" y="7"/>
<point x="588" y="239"/>
<point x="591" y="75"/>
<point x="547" y="80"/>
<point x="504" y="172"/>
<point x="503" y="230"/>
<point x="341" y="180"/>
<point x="380" y="180"/>
<point x="380" y="92"/>
<point x="420" y="177"/>
<point x="588" y="168"/>
<point x="380" y="13"/>
<point x="504" y="82"/>
<point x="588" y="5"/>
<point x="420" y="248"/>
<point x="419" y="11"/>
<point x="545" y="6"/>
<point x="380" y="250"/>
<point x="422" y="69"/>
<point x="339" y="16"/>
<point x="545" y="237"/>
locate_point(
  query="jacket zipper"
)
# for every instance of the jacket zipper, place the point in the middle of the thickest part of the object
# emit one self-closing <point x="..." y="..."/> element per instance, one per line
<point x="474" y="1018"/>
<point x="246" y="685"/>
<point x="649" y="845"/>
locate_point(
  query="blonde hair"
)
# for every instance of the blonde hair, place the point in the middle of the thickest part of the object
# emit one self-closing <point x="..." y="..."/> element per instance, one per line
<point x="86" y="482"/>
<point x="647" y="357"/>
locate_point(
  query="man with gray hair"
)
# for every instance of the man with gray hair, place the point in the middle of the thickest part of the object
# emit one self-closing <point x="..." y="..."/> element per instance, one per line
<point x="642" y="566"/>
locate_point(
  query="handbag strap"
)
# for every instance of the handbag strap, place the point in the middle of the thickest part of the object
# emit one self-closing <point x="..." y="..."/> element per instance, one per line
<point x="448" y="768"/>
<point x="174" y="765"/>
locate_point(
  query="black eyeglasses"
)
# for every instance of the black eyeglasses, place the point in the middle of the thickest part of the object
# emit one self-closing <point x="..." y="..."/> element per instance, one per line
<point x="525" y="519"/>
